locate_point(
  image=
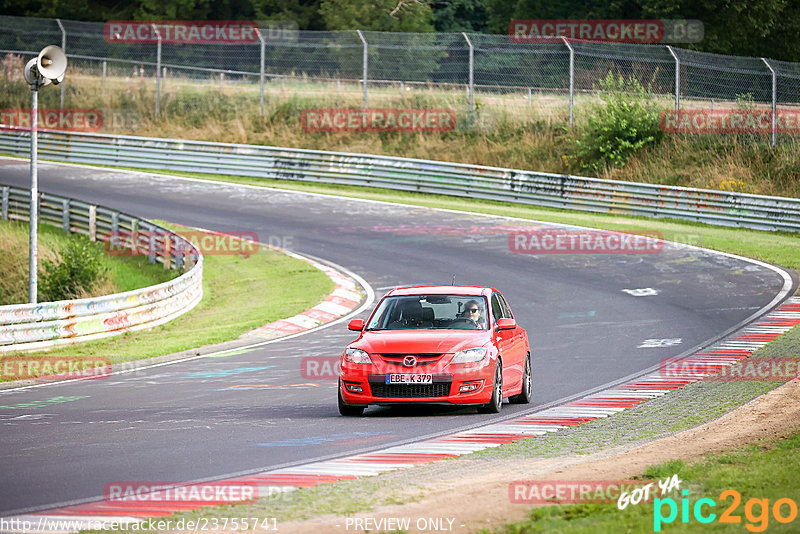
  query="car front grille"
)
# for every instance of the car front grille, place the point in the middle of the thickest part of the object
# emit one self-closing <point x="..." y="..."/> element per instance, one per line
<point x="440" y="389"/>
<point x="422" y="359"/>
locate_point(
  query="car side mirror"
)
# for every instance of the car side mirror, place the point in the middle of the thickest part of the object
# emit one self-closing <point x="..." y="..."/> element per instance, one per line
<point x="506" y="324"/>
<point x="356" y="324"/>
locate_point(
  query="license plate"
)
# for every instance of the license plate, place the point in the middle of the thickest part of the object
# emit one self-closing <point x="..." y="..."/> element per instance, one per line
<point x="409" y="378"/>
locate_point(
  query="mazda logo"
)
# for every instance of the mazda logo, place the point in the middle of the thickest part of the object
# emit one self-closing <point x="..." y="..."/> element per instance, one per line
<point x="410" y="361"/>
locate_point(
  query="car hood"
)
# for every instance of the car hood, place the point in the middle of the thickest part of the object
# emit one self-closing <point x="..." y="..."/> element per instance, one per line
<point x="421" y="341"/>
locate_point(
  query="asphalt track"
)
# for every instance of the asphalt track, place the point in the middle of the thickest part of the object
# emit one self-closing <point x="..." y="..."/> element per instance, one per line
<point x="254" y="411"/>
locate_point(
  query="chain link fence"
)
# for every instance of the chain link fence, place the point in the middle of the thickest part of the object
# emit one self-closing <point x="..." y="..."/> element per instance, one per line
<point x="374" y="65"/>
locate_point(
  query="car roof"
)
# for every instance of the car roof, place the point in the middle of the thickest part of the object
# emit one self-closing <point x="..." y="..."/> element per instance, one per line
<point x="442" y="290"/>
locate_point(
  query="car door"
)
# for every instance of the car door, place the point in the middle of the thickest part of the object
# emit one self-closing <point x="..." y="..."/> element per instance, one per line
<point x="504" y="339"/>
<point x="518" y="350"/>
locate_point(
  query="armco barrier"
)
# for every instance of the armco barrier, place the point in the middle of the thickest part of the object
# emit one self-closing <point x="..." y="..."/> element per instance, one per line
<point x="34" y="326"/>
<point x="527" y="187"/>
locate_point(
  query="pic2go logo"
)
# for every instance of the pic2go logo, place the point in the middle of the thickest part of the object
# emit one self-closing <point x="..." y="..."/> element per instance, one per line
<point x="757" y="521"/>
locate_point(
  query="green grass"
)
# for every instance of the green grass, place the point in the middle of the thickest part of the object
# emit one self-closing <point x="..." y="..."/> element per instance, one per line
<point x="239" y="294"/>
<point x="764" y="470"/>
<point x="124" y="272"/>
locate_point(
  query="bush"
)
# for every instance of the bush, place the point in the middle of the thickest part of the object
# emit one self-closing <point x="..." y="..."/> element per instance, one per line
<point x="79" y="270"/>
<point x="627" y="121"/>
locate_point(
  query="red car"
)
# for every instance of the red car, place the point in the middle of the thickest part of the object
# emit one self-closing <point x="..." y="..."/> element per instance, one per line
<point x="437" y="345"/>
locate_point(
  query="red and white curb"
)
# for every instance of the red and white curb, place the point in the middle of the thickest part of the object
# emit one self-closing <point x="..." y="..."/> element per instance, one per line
<point x="344" y="299"/>
<point x="597" y="405"/>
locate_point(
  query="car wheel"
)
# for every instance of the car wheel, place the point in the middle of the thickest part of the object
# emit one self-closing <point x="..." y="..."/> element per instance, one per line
<point x="347" y="409"/>
<point x="494" y="405"/>
<point x="526" y="394"/>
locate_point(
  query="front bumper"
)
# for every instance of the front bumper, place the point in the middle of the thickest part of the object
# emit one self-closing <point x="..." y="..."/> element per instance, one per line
<point x="445" y="389"/>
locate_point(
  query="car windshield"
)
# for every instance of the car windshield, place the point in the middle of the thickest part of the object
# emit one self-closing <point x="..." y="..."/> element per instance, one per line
<point x="453" y="312"/>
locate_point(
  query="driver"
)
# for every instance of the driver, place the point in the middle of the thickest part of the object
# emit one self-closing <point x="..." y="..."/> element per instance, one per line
<point x="473" y="311"/>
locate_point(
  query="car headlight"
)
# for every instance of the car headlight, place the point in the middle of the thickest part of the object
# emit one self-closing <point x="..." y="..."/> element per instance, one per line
<point x="356" y="356"/>
<point x="470" y="355"/>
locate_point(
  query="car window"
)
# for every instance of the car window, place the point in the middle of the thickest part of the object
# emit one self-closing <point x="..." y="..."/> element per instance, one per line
<point x="497" y="309"/>
<point x="456" y="312"/>
<point x="506" y="308"/>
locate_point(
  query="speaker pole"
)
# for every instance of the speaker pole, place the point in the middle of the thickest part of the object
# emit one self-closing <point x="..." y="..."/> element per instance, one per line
<point x="34" y="209"/>
<point x="63" y="47"/>
<point x="48" y="67"/>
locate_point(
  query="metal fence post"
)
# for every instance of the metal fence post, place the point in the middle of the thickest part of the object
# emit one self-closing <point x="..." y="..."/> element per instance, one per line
<point x="115" y="222"/>
<point x="180" y="255"/>
<point x="677" y="79"/>
<point x="93" y="222"/>
<point x="571" y="78"/>
<point x="774" y="101"/>
<point x="261" y="71"/>
<point x="104" y="73"/>
<point x="33" y="207"/>
<point x="4" y="206"/>
<point x="471" y="72"/>
<point x="166" y="254"/>
<point x="158" y="66"/>
<point x="65" y="222"/>
<point x="151" y="245"/>
<point x="64" y="48"/>
<point x="365" y="61"/>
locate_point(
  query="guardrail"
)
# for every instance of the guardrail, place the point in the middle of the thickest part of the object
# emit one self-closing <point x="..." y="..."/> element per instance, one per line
<point x="35" y="326"/>
<point x="455" y="179"/>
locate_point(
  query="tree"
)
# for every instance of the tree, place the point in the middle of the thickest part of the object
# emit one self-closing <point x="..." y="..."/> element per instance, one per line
<point x="305" y="13"/>
<point x="499" y="14"/>
<point x="459" y="16"/>
<point x="377" y="15"/>
<point x="737" y="27"/>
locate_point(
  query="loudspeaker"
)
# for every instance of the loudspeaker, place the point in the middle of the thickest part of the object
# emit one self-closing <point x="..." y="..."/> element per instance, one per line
<point x="31" y="72"/>
<point x="52" y="63"/>
<point x="48" y="67"/>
